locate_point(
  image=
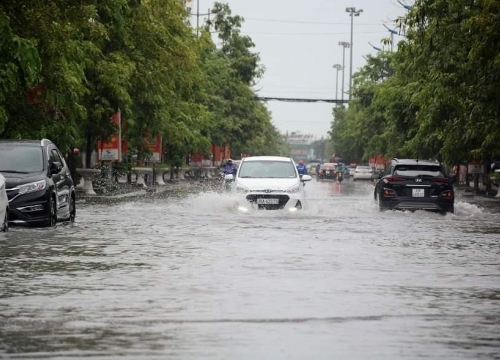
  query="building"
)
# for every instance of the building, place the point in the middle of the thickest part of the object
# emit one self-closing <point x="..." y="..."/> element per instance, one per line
<point x="301" y="145"/>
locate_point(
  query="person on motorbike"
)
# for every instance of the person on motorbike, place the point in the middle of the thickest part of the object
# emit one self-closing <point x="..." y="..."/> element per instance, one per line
<point x="230" y="168"/>
<point x="301" y="168"/>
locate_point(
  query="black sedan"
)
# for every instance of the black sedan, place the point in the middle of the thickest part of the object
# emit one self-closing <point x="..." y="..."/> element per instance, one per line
<point x="415" y="185"/>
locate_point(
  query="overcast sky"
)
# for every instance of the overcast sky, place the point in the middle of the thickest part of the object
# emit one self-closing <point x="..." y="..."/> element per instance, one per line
<point x="298" y="44"/>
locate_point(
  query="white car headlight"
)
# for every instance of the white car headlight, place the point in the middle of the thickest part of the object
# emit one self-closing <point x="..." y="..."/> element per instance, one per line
<point x="32" y="187"/>
<point x="241" y="189"/>
<point x="294" y="189"/>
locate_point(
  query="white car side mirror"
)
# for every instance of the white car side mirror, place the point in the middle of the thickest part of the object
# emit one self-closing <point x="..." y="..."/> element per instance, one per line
<point x="229" y="177"/>
<point x="306" y="178"/>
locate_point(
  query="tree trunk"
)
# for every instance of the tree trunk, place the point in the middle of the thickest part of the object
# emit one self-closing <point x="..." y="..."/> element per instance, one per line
<point x="476" y="183"/>
<point x="486" y="176"/>
<point x="88" y="150"/>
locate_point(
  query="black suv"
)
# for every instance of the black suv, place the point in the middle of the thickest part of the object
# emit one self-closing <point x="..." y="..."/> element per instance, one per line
<point x="415" y="185"/>
<point x="39" y="185"/>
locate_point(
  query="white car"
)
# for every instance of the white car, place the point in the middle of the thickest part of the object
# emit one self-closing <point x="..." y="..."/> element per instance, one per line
<point x="270" y="183"/>
<point x="363" y="173"/>
<point x="4" y="206"/>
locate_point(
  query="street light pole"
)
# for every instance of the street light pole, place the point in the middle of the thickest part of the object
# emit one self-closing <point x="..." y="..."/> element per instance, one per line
<point x="352" y="13"/>
<point x="197" y="18"/>
<point x="337" y="67"/>
<point x="345" y="45"/>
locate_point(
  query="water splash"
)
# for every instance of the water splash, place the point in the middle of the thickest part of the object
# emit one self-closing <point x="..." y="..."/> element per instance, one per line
<point x="465" y="209"/>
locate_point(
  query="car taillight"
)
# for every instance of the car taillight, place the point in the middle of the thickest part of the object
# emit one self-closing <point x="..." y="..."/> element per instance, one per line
<point x="448" y="194"/>
<point x="389" y="193"/>
<point x="393" y="179"/>
<point x="441" y="180"/>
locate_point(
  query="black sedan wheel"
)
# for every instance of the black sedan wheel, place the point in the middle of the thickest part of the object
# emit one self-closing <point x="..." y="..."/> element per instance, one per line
<point x="5" y="225"/>
<point x="72" y="210"/>
<point x="51" y="222"/>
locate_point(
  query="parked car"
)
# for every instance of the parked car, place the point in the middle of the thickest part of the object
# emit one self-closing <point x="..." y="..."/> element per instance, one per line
<point x="4" y="206"/>
<point x="363" y="173"/>
<point x="38" y="183"/>
<point x="409" y="184"/>
<point x="270" y="183"/>
<point x="327" y="171"/>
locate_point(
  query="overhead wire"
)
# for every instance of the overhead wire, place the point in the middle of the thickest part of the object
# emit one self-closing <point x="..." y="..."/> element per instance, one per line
<point x="309" y="33"/>
<point x="310" y="22"/>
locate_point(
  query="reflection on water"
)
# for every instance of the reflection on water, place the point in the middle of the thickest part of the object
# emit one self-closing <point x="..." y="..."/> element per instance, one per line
<point x="188" y="277"/>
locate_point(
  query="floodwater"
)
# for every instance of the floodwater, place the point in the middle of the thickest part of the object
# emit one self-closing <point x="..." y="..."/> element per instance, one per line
<point x="187" y="277"/>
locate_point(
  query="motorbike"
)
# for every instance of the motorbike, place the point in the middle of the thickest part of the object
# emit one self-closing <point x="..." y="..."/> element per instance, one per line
<point x="226" y="181"/>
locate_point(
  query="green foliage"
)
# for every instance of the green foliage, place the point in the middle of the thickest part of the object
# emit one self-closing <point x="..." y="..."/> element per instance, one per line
<point x="88" y="59"/>
<point x="437" y="96"/>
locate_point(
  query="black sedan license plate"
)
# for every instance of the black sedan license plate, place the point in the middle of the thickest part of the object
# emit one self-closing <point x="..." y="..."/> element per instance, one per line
<point x="262" y="201"/>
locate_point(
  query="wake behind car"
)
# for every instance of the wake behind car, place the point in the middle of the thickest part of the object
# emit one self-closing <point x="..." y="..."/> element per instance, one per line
<point x="4" y="206"/>
<point x="408" y="184"/>
<point x="270" y="183"/>
<point x="38" y="182"/>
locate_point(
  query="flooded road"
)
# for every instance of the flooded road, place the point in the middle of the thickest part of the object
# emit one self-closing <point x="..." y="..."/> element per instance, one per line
<point x="188" y="278"/>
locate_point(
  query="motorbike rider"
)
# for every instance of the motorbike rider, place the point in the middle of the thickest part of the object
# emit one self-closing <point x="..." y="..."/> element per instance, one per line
<point x="230" y="168"/>
<point x="301" y="168"/>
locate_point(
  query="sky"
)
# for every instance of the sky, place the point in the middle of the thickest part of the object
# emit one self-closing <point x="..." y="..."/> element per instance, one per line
<point x="298" y="45"/>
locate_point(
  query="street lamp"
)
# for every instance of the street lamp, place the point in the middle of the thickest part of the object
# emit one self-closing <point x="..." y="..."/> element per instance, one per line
<point x="352" y="13"/>
<point x="345" y="45"/>
<point x="337" y="67"/>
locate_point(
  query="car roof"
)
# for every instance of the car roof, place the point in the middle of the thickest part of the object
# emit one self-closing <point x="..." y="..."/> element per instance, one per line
<point x="364" y="166"/>
<point x="42" y="142"/>
<point x="414" y="162"/>
<point x="266" y="158"/>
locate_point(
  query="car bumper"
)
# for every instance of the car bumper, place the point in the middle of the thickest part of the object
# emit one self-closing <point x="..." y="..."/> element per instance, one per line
<point x="30" y="209"/>
<point x="406" y="203"/>
<point x="327" y="176"/>
<point x="253" y="201"/>
<point x="362" y="177"/>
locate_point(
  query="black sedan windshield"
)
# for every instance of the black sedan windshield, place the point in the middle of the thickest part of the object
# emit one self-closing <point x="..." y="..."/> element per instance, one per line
<point x="20" y="159"/>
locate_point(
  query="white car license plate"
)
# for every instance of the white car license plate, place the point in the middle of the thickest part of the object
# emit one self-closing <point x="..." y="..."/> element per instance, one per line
<point x="268" y="201"/>
<point x="418" y="193"/>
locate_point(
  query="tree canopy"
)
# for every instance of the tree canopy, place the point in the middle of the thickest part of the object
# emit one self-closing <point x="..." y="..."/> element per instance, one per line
<point x="437" y="95"/>
<point x="66" y="68"/>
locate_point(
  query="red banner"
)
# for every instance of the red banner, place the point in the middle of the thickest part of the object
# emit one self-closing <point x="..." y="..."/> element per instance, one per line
<point x="156" y="148"/>
<point x="111" y="150"/>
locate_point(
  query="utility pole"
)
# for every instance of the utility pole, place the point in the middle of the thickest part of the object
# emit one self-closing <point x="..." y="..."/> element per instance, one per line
<point x="337" y="67"/>
<point x="352" y="13"/>
<point x="345" y="45"/>
<point x="197" y="18"/>
<point x="393" y="32"/>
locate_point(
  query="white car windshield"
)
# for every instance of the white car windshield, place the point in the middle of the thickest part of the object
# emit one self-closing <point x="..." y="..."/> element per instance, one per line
<point x="20" y="159"/>
<point x="268" y="169"/>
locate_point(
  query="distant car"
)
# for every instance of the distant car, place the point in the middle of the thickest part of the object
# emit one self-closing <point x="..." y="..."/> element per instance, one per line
<point x="352" y="169"/>
<point x="311" y="167"/>
<point x="4" y="206"/>
<point x="270" y="183"/>
<point x="38" y="183"/>
<point x="363" y="173"/>
<point x="327" y="171"/>
<point x="409" y="184"/>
